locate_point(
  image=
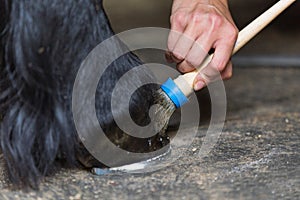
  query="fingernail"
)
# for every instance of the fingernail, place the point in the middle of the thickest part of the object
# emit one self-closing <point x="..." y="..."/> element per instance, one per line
<point x="199" y="85"/>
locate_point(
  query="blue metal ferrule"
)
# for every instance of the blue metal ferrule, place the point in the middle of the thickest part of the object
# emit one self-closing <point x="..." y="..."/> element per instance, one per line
<point x="175" y="94"/>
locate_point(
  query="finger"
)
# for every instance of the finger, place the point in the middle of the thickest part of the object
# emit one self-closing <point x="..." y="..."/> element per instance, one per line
<point x="185" y="67"/>
<point x="176" y="58"/>
<point x="199" y="50"/>
<point x="199" y="85"/>
<point x="206" y="75"/>
<point x="178" y="24"/>
<point x="182" y="47"/>
<point x="210" y="74"/>
<point x="174" y="36"/>
<point x="187" y="46"/>
<point x="186" y="41"/>
<point x="222" y="54"/>
<point x="227" y="72"/>
<point x="197" y="53"/>
<point x="168" y="57"/>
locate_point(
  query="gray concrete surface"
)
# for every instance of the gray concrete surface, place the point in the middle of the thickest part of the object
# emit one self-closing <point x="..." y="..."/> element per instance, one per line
<point x="257" y="156"/>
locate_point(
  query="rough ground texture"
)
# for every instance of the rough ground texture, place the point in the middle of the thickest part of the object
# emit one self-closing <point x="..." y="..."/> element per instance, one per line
<point x="257" y="155"/>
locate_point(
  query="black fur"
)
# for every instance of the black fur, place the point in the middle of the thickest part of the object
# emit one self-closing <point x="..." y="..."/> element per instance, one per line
<point x="42" y="46"/>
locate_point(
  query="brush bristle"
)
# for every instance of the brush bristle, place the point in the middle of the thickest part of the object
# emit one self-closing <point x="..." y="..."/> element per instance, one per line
<point x="165" y="110"/>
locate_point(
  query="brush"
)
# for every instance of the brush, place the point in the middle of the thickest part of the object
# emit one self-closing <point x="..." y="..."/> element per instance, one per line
<point x="174" y="93"/>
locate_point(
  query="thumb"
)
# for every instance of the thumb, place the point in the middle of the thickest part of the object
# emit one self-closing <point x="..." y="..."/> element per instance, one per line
<point x="205" y="76"/>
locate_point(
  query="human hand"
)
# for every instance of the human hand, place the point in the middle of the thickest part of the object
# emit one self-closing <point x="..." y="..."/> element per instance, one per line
<point x="197" y="26"/>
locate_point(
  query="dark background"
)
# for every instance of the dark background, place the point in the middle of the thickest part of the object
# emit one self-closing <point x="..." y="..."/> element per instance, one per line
<point x="280" y="38"/>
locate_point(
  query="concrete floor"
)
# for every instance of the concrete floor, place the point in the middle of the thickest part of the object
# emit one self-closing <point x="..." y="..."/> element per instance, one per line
<point x="257" y="155"/>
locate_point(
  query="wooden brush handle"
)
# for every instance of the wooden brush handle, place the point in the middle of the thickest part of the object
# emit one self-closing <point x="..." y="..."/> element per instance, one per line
<point x="185" y="82"/>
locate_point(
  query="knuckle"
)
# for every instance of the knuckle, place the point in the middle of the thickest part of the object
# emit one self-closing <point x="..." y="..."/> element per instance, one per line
<point x="221" y="66"/>
<point x="216" y="20"/>
<point x="232" y="33"/>
<point x="196" y="17"/>
<point x="178" y="18"/>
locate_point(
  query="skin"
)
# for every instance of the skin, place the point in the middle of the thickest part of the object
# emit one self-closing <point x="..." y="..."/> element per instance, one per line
<point x="197" y="26"/>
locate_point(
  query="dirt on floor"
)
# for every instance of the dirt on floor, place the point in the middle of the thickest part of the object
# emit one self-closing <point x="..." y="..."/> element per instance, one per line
<point x="257" y="155"/>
